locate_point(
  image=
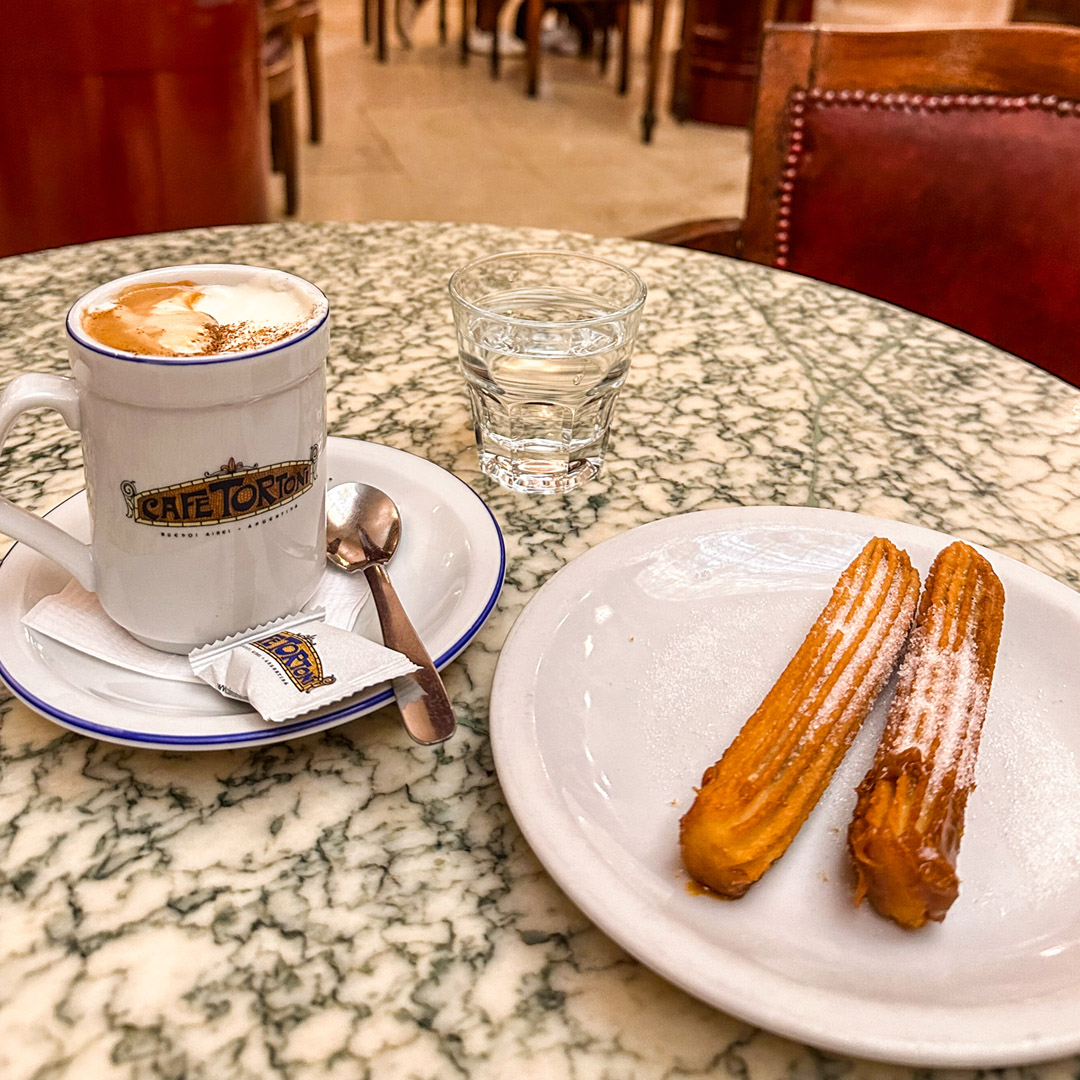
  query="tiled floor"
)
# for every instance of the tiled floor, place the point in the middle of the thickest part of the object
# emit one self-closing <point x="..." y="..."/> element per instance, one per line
<point x="424" y="138"/>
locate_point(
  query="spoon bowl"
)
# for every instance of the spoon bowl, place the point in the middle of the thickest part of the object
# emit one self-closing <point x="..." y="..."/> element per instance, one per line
<point x="363" y="526"/>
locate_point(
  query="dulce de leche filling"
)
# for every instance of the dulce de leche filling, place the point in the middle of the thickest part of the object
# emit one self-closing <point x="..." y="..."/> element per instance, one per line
<point x="175" y="319"/>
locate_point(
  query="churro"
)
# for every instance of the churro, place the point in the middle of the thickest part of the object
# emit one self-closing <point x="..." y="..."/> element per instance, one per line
<point x="753" y="801"/>
<point x="909" y="817"/>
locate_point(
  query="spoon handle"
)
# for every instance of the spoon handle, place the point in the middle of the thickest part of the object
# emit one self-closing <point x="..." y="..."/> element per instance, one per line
<point x="421" y="696"/>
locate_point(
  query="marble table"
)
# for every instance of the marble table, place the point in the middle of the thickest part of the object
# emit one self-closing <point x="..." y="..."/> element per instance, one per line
<point x="351" y="905"/>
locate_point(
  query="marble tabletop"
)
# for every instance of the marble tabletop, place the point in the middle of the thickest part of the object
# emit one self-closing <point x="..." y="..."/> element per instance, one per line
<point x="351" y="905"/>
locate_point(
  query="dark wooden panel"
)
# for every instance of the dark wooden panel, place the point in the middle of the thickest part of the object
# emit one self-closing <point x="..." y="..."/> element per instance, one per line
<point x="716" y="71"/>
<point x="122" y="117"/>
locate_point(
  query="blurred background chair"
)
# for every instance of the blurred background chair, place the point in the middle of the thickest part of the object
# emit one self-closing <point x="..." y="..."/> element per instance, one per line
<point x="373" y="22"/>
<point x="286" y="22"/>
<point x="123" y="117"/>
<point x="305" y="27"/>
<point x="486" y="16"/>
<point x="936" y="169"/>
<point x="279" y="65"/>
<point x="373" y="14"/>
<point x="597" y="15"/>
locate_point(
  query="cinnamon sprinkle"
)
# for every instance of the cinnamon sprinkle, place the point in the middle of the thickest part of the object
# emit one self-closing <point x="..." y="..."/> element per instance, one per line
<point x="240" y="337"/>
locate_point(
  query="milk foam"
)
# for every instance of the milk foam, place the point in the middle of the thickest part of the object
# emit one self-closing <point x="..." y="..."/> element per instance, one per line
<point x="262" y="303"/>
<point x="188" y="318"/>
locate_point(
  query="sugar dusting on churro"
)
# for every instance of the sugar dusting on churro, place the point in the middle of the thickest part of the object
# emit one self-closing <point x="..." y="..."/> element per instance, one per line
<point x="754" y="800"/>
<point x="909" y="819"/>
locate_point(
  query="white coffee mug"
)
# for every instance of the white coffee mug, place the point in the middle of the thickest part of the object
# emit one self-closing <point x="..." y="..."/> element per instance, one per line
<point x="205" y="476"/>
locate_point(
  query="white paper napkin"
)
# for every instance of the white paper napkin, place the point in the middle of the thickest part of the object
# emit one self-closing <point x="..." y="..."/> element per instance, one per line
<point x="75" y="618"/>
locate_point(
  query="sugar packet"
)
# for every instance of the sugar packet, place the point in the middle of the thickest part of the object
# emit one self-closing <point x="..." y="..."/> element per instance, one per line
<point x="295" y="665"/>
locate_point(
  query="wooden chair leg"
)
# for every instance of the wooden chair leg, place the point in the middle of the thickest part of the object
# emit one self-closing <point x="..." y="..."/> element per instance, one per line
<point x="365" y="18"/>
<point x="283" y="149"/>
<point x="466" y="18"/>
<point x="276" y="152"/>
<point x="313" y="69"/>
<point x="585" y="45"/>
<point x="380" y="31"/>
<point x="399" y="24"/>
<point x="622" y="16"/>
<point x="442" y="22"/>
<point x="533" y="14"/>
<point x="680" y="89"/>
<point x="656" y="36"/>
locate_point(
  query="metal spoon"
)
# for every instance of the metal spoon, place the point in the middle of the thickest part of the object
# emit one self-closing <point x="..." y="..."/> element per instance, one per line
<point x="363" y="527"/>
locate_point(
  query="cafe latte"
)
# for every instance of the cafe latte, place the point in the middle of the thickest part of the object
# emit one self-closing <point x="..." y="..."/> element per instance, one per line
<point x="199" y="394"/>
<point x="191" y="319"/>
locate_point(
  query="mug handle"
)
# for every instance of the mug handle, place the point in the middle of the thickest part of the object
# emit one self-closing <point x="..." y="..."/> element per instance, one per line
<point x="39" y="390"/>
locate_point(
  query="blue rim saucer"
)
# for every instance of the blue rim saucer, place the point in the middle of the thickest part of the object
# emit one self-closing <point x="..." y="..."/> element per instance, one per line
<point x="448" y="570"/>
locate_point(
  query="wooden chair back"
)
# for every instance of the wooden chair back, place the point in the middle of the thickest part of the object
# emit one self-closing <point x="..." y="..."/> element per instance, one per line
<point x="936" y="169"/>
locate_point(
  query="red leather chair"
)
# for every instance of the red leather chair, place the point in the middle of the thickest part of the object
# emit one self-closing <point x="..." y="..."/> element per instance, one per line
<point x="128" y="116"/>
<point x="936" y="169"/>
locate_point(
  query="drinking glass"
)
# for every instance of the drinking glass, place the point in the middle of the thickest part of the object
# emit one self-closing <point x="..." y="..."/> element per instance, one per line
<point x="544" y="339"/>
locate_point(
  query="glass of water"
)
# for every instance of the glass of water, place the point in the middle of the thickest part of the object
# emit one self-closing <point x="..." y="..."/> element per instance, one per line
<point x="544" y="339"/>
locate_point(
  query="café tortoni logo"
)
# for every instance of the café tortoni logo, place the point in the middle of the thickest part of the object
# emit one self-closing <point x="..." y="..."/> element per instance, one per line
<point x="232" y="493"/>
<point x="297" y="656"/>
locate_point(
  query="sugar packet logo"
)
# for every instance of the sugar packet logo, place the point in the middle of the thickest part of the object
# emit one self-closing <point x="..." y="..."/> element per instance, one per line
<point x="233" y="492"/>
<point x="297" y="656"/>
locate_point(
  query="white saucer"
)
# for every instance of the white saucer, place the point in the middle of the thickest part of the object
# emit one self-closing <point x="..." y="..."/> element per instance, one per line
<point x="448" y="571"/>
<point x="632" y="669"/>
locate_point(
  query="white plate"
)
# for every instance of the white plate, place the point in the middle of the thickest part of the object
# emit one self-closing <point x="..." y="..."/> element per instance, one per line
<point x="448" y="571"/>
<point x="631" y="671"/>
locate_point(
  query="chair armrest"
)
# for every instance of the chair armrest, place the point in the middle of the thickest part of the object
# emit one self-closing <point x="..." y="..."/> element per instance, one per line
<point x="720" y="235"/>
